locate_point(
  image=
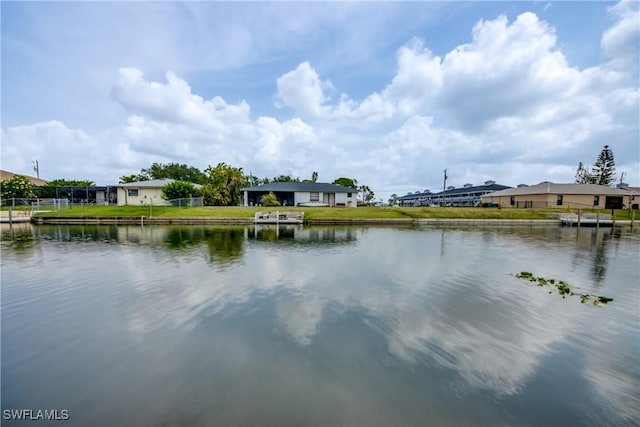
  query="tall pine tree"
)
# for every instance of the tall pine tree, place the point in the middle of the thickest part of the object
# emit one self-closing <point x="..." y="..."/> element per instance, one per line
<point x="604" y="169"/>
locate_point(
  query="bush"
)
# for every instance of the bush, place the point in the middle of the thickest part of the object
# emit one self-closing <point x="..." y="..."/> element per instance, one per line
<point x="269" y="200"/>
<point x="17" y="186"/>
<point x="178" y="190"/>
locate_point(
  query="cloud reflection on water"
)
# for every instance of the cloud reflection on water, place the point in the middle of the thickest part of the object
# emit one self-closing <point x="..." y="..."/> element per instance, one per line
<point x="437" y="297"/>
<point x="434" y="303"/>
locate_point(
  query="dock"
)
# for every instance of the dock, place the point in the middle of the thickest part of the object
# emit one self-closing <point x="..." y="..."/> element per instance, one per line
<point x="587" y="220"/>
<point x="279" y="218"/>
<point x="14" y="216"/>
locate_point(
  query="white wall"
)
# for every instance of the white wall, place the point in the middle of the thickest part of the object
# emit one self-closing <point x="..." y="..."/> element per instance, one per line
<point x="146" y="197"/>
<point x="305" y="197"/>
<point x="342" y="198"/>
<point x="302" y="197"/>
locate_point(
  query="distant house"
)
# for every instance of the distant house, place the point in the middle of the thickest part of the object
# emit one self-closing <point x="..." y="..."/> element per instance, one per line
<point x="303" y="194"/>
<point x="635" y="195"/>
<point x="144" y="193"/>
<point x="467" y="195"/>
<point x="32" y="179"/>
<point x="551" y="195"/>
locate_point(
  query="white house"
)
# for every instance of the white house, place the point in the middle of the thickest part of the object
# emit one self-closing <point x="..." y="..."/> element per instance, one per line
<point x="144" y="193"/>
<point x="303" y="194"/>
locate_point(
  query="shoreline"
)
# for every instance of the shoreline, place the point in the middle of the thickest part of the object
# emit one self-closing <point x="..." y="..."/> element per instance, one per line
<point x="42" y="220"/>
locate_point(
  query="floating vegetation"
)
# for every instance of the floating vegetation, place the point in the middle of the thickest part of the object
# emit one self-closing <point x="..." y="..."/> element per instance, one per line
<point x="563" y="288"/>
<point x="597" y="299"/>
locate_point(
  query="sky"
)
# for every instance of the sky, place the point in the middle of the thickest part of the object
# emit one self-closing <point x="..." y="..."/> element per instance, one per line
<point x="389" y="93"/>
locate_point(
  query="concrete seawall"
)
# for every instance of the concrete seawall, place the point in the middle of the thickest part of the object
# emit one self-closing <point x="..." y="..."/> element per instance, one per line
<point x="140" y="220"/>
<point x="314" y="221"/>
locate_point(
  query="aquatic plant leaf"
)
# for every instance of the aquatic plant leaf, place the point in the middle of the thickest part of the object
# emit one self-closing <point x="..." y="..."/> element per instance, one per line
<point x="563" y="288"/>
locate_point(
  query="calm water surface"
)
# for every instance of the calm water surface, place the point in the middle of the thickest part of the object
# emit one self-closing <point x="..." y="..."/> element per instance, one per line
<point x="198" y="326"/>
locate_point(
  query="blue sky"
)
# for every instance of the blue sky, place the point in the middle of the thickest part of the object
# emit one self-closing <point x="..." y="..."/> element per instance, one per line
<point x="389" y="93"/>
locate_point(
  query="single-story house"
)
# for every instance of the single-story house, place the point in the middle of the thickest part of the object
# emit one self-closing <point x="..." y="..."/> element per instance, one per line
<point x="303" y="194"/>
<point x="551" y="195"/>
<point x="144" y="193"/>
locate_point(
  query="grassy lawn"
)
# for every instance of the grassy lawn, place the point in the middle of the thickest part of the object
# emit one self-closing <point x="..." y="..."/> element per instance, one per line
<point x="311" y="213"/>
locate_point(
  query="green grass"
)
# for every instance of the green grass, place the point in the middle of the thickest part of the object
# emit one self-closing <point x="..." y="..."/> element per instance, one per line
<point x="311" y="213"/>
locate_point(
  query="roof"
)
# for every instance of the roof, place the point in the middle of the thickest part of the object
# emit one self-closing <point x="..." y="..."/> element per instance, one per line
<point x="460" y="190"/>
<point x="35" y="181"/>
<point x="551" y="188"/>
<point x="152" y="183"/>
<point x="633" y="190"/>
<point x="320" y="187"/>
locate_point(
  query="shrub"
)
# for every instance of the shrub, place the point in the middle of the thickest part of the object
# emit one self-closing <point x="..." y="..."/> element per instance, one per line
<point x="178" y="190"/>
<point x="269" y="200"/>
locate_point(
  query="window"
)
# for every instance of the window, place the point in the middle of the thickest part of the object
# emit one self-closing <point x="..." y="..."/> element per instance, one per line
<point x="132" y="192"/>
<point x="513" y="200"/>
<point x="596" y="200"/>
<point x="559" y="200"/>
<point x="315" y="197"/>
<point x="348" y="194"/>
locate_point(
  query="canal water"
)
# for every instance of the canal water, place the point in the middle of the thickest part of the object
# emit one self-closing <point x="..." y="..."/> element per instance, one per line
<point x="320" y="326"/>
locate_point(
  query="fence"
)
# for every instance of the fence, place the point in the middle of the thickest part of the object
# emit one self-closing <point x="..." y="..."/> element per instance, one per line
<point x="189" y="202"/>
<point x="36" y="204"/>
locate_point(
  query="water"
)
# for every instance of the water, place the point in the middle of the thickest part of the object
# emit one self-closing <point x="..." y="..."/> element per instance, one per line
<point x="327" y="326"/>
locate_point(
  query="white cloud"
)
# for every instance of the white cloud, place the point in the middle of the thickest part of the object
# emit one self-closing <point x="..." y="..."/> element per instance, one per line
<point x="622" y="39"/>
<point x="175" y="103"/>
<point x="284" y="145"/>
<point x="303" y="90"/>
<point x="505" y="105"/>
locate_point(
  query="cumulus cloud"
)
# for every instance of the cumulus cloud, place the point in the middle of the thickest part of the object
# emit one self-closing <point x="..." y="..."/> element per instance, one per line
<point x="622" y="40"/>
<point x="303" y="90"/>
<point x="175" y="103"/>
<point x="506" y="105"/>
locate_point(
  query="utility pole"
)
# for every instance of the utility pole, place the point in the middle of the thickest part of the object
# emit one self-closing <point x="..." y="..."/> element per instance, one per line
<point x="444" y="190"/>
<point x="36" y="168"/>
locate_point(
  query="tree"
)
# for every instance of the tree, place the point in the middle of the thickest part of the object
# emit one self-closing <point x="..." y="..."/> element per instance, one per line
<point x="367" y="194"/>
<point x="61" y="182"/>
<point x="269" y="200"/>
<point x="346" y="182"/>
<point x="178" y="190"/>
<point x="125" y="179"/>
<point x="179" y="172"/>
<point x="605" y="167"/>
<point x="253" y="180"/>
<point x="314" y="177"/>
<point x="284" y="178"/>
<point x="17" y="187"/>
<point x="583" y="175"/>
<point x="393" y="199"/>
<point x="222" y="185"/>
